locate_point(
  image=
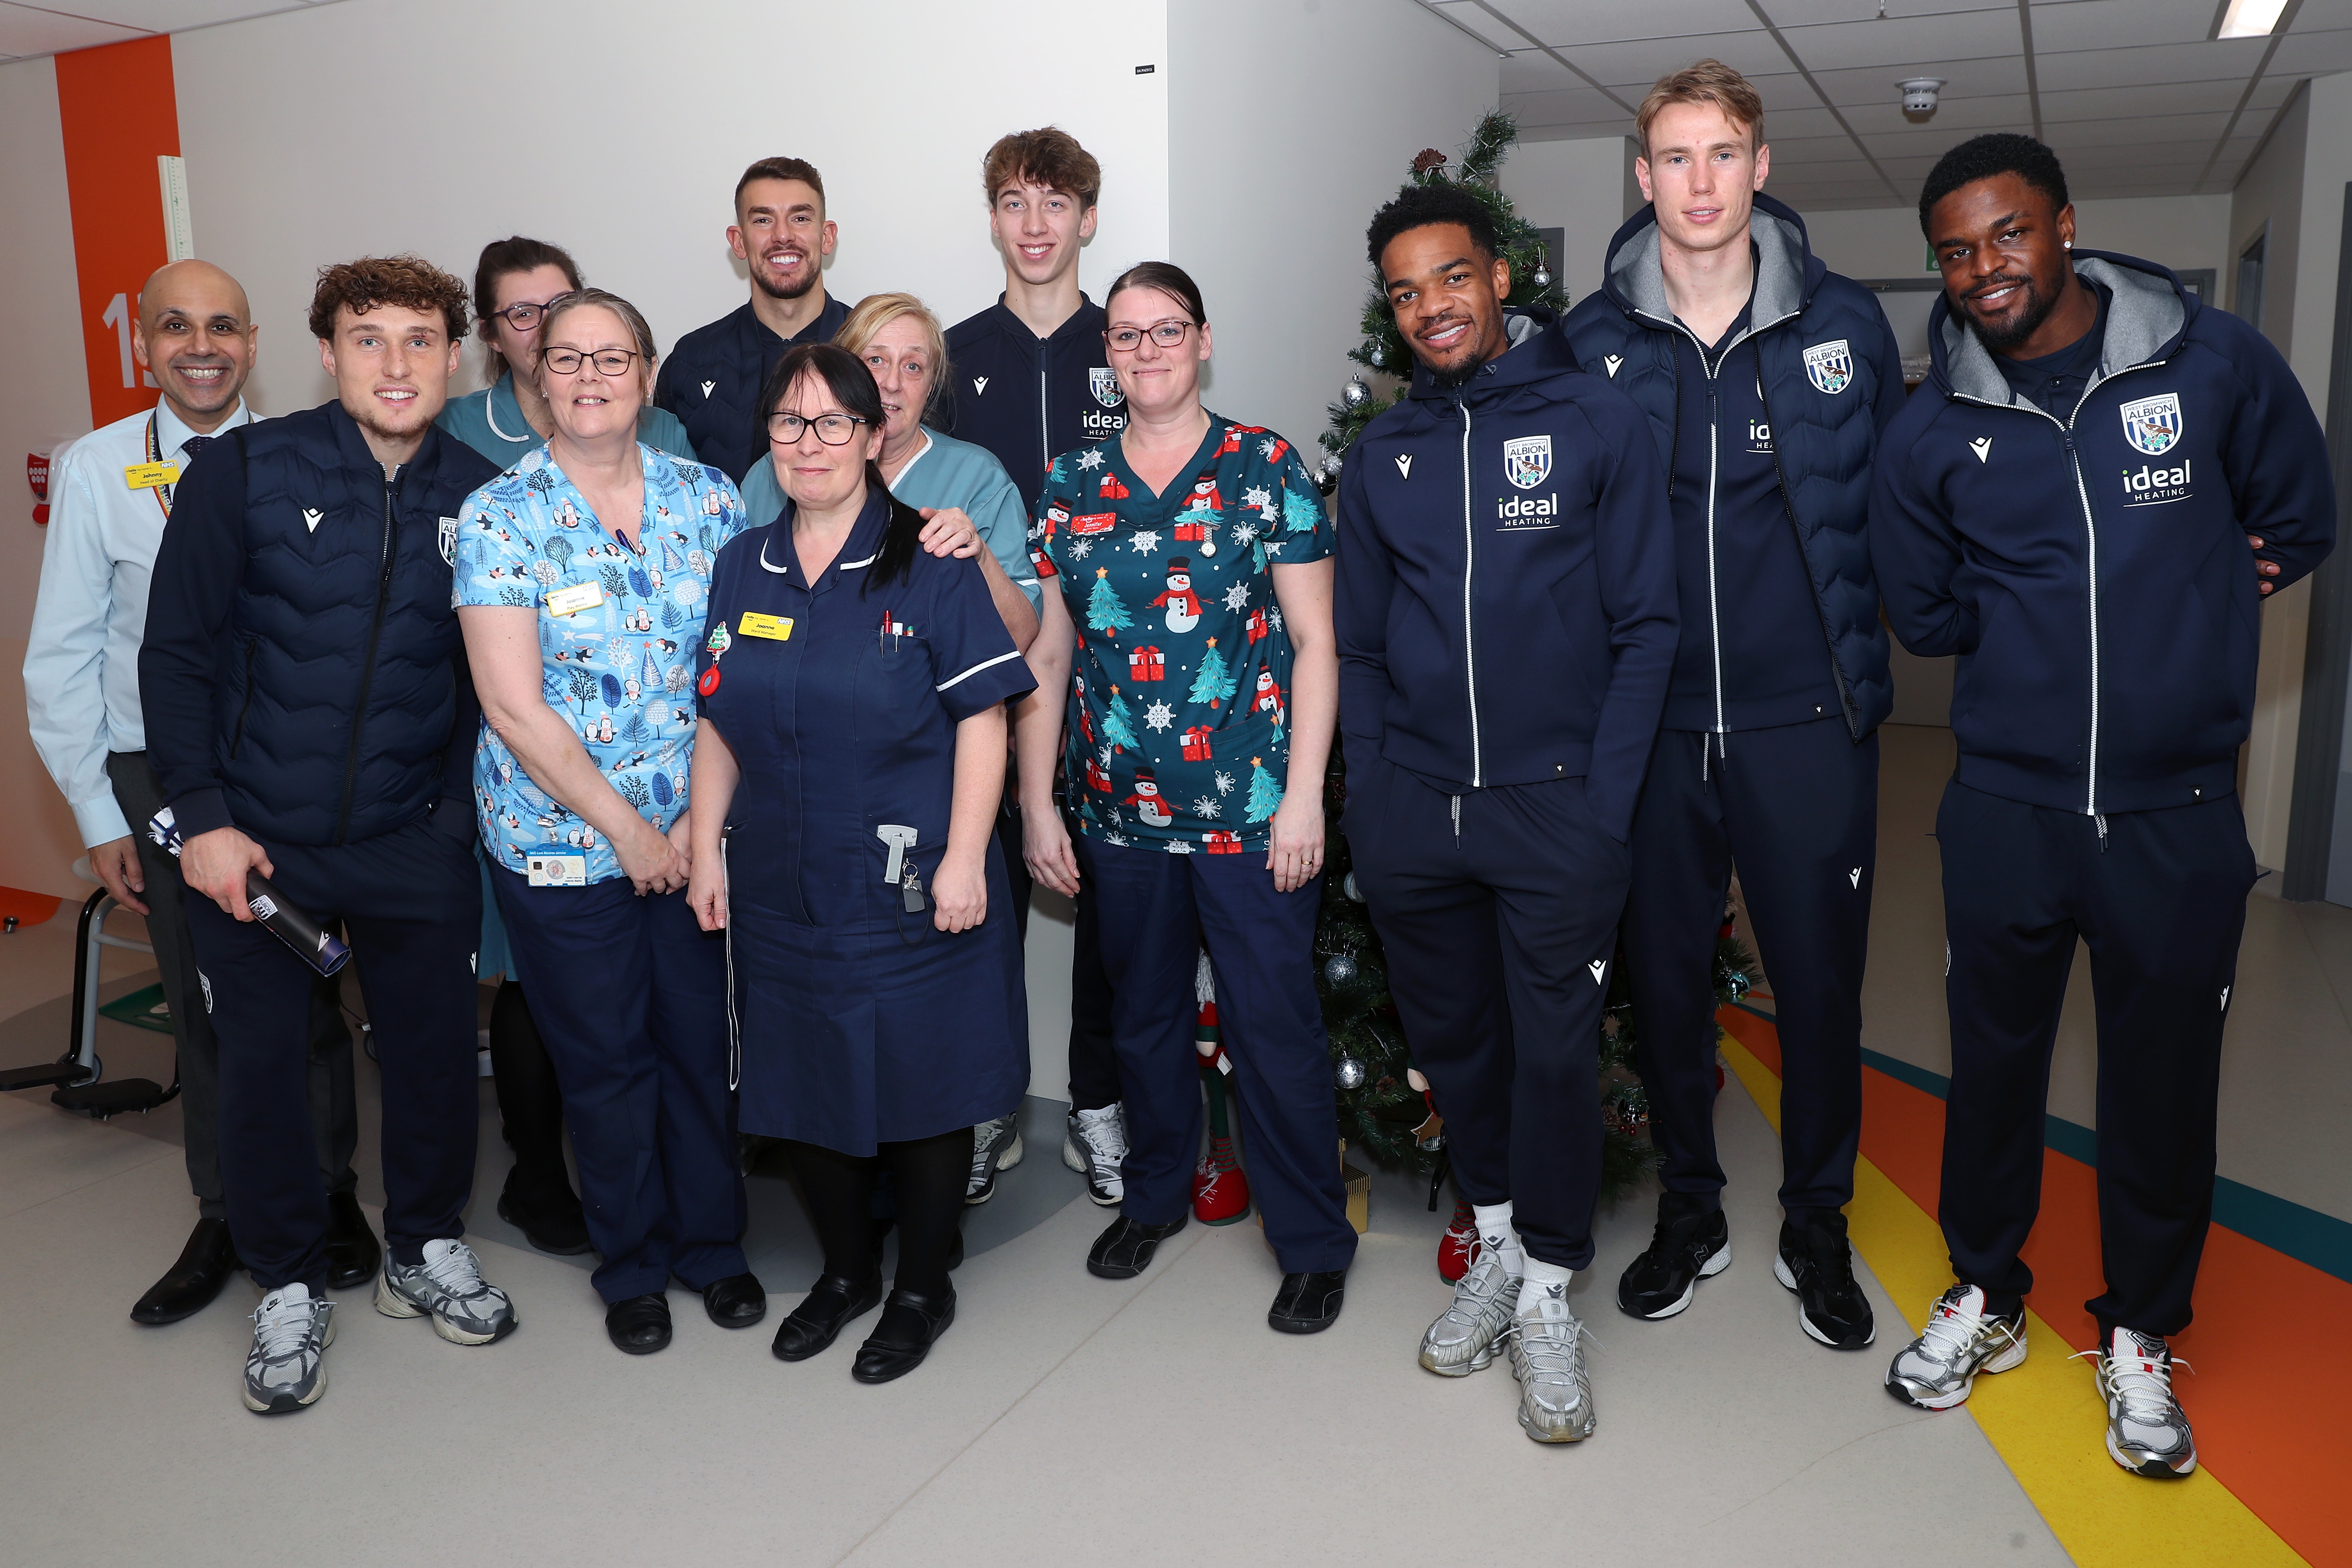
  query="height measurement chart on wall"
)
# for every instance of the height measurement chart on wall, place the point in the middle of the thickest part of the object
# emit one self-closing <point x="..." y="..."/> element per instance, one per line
<point x="128" y="198"/>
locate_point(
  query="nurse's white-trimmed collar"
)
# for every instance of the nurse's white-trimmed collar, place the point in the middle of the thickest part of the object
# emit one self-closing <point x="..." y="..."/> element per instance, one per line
<point x="920" y="453"/>
<point x="505" y="383"/>
<point x="786" y="571"/>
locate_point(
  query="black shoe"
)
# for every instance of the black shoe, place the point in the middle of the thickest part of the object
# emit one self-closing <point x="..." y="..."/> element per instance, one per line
<point x="910" y="1325"/>
<point x="639" y="1325"/>
<point x="189" y="1286"/>
<point x="1125" y="1250"/>
<point x="828" y="1307"/>
<point x="1817" y="1263"/>
<point x="560" y="1229"/>
<point x="352" y="1252"/>
<point x="736" y="1301"/>
<point x="1690" y="1243"/>
<point x="1308" y="1303"/>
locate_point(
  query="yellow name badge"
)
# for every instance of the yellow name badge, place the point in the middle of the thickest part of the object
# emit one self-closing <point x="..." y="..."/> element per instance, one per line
<point x="775" y="628"/>
<point x="147" y="476"/>
<point x="573" y="600"/>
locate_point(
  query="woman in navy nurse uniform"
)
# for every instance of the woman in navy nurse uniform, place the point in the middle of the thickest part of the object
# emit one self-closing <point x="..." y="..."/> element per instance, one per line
<point x="852" y="742"/>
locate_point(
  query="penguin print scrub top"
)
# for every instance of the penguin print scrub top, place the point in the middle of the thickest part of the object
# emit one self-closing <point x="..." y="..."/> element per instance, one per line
<point x="617" y="632"/>
<point x="1179" y="728"/>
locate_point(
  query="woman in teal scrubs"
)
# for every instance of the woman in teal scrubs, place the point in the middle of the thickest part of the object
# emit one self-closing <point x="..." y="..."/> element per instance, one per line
<point x="513" y="283"/>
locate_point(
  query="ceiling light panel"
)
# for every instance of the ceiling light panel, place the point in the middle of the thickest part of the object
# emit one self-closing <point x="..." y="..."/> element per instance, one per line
<point x="2251" y="18"/>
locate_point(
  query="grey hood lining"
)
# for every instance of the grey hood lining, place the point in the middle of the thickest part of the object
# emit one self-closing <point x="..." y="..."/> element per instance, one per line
<point x="2144" y="315"/>
<point x="1640" y="274"/>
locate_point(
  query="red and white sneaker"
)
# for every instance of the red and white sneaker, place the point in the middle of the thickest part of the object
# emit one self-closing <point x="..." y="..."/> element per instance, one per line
<point x="1221" y="1191"/>
<point x="1453" y="1246"/>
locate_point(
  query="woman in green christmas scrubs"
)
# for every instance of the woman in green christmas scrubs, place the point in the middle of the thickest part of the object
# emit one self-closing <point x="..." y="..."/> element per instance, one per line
<point x="1187" y="618"/>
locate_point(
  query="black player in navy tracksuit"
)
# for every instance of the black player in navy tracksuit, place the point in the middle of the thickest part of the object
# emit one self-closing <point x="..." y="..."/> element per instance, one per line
<point x="1505" y="620"/>
<point x="2071" y="520"/>
<point x="1768" y="752"/>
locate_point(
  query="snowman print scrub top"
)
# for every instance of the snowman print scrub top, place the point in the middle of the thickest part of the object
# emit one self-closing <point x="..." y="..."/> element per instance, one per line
<point x="1178" y="732"/>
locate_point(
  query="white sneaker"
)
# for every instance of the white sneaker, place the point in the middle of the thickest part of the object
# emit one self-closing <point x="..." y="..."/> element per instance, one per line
<point x="1095" y="1146"/>
<point x="2147" y="1433"/>
<point x="996" y="1147"/>
<point x="1936" y="1370"/>
<point x="466" y="1309"/>
<point x="1463" y="1339"/>
<point x="1548" y="1358"/>
<point x="285" y="1370"/>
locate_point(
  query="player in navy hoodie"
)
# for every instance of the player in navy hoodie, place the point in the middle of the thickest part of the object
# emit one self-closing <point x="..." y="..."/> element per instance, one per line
<point x="1506" y="617"/>
<point x="2065" y="504"/>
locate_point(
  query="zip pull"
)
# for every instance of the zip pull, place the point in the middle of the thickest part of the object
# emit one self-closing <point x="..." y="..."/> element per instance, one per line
<point x="1457" y="820"/>
<point x="2101" y="818"/>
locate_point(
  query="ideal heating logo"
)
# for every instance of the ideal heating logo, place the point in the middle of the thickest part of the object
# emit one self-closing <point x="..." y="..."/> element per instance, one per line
<point x="1759" y="436"/>
<point x="2150" y="486"/>
<point x="1521" y="513"/>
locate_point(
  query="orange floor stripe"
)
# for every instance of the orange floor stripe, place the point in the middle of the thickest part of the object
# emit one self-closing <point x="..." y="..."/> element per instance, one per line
<point x="2259" y="1427"/>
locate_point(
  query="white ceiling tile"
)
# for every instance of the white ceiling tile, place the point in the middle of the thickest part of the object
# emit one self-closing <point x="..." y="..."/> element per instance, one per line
<point x="1637" y="65"/>
<point x="1567" y="22"/>
<point x="1962" y="78"/>
<point x="2103" y="24"/>
<point x="1955" y="116"/>
<point x="1922" y="47"/>
<point x="1532" y="70"/>
<point x="1815" y="12"/>
<point x="2152" y="65"/>
<point x="2306" y="54"/>
<point x="1564" y="106"/>
<point x="2132" y="102"/>
<point x="27" y="31"/>
<point x="173" y="16"/>
<point x="2137" y="132"/>
<point x="1481" y="25"/>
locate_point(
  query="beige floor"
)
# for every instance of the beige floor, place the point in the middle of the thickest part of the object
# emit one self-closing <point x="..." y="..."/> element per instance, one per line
<point x="1063" y="1420"/>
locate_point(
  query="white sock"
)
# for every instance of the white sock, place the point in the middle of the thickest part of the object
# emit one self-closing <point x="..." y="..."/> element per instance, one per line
<point x="1540" y="1274"/>
<point x="1497" y="1236"/>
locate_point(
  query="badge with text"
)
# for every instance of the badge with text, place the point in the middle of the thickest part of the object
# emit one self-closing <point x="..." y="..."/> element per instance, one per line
<point x="557" y="868"/>
<point x="2153" y="424"/>
<point x="148" y="475"/>
<point x="1526" y="461"/>
<point x="1829" y="366"/>
<point x="775" y="628"/>
<point x="573" y="600"/>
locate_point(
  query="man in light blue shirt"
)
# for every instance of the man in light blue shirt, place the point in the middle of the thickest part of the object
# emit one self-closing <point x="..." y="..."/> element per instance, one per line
<point x="112" y="491"/>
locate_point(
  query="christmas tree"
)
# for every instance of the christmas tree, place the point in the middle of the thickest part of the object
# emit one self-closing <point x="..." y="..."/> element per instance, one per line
<point x="1104" y="612"/>
<point x="1213" y="684"/>
<point x="1265" y="792"/>
<point x="1382" y="351"/>
<point x="1118" y="722"/>
<point x="1384" y="1106"/>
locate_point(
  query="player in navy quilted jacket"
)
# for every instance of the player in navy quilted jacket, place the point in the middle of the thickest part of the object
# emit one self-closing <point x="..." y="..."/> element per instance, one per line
<point x="2065" y="505"/>
<point x="310" y="716"/>
<point x="1766" y="379"/>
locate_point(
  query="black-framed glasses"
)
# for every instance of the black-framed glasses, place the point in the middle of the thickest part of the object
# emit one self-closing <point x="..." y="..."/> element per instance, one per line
<point x="608" y="362"/>
<point x="833" y="429"/>
<point x="1167" y="334"/>
<point x="524" y="317"/>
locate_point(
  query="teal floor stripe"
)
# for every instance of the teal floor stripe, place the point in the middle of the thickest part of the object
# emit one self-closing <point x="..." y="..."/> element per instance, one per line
<point x="2304" y="1234"/>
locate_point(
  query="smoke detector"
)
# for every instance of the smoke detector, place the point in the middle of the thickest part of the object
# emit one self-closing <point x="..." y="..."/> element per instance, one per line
<point x="1919" y="93"/>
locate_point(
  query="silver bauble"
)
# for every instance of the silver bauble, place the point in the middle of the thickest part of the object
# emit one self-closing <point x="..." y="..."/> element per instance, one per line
<point x="1348" y="1072"/>
<point x="1331" y="466"/>
<point x="1543" y="276"/>
<point x="1348" y="885"/>
<point x="1355" y="395"/>
<point x="1379" y="355"/>
<point x="1341" y="969"/>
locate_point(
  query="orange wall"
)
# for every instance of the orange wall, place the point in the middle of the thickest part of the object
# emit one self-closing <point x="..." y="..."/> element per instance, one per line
<point x="119" y="113"/>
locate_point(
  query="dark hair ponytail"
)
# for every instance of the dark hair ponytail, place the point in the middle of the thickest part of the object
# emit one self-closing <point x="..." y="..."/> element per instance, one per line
<point x="851" y="387"/>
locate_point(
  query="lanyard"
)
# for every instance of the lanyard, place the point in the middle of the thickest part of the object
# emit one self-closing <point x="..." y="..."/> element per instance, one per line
<point x="155" y="455"/>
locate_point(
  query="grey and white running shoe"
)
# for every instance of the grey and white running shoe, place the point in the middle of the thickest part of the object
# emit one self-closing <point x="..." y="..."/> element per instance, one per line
<point x="287" y="1367"/>
<point x="466" y="1309"/>
<point x="1548" y="1358"/>
<point x="1463" y="1339"/>
<point x="996" y="1147"/>
<point x="1095" y="1147"/>
<point x="2146" y="1432"/>
<point x="1936" y="1370"/>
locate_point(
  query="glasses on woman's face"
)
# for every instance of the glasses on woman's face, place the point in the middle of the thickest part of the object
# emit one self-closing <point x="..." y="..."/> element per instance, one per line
<point x="1167" y="334"/>
<point x="523" y="317"/>
<point x="833" y="429"/>
<point x="608" y="362"/>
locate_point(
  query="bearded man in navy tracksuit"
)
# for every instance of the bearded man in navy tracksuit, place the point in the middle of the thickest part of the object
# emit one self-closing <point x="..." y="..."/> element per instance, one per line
<point x="311" y="717"/>
<point x="1505" y="621"/>
<point x="2065" y="505"/>
<point x="1766" y="379"/>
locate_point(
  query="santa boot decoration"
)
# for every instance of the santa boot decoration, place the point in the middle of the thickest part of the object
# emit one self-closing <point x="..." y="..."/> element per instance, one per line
<point x="1219" y="1188"/>
<point x="1453" y="1246"/>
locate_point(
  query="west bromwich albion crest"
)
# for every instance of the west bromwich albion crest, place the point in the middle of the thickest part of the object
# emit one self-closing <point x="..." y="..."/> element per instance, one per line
<point x="2153" y="424"/>
<point x="1103" y="382"/>
<point x="1829" y="366"/>
<point x="1526" y="461"/>
<point x="449" y="540"/>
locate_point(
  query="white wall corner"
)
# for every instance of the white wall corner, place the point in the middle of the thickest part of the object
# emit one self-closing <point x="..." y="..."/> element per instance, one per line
<point x="2269" y="792"/>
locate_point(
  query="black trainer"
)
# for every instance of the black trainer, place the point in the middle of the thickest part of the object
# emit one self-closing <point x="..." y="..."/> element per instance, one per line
<point x="1125" y="1250"/>
<point x="1691" y="1244"/>
<point x="1817" y="1263"/>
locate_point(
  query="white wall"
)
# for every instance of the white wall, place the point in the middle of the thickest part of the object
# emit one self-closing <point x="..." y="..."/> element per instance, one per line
<point x="1276" y="176"/>
<point x="44" y="396"/>
<point x="497" y="142"/>
<point x="1578" y="186"/>
<point x="2184" y="233"/>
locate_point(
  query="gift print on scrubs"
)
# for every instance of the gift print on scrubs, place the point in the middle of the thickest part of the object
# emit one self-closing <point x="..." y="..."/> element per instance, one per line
<point x="1182" y="672"/>
<point x="619" y="628"/>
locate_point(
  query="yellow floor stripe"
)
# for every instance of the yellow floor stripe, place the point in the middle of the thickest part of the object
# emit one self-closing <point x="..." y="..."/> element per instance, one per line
<point x="2044" y="1419"/>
